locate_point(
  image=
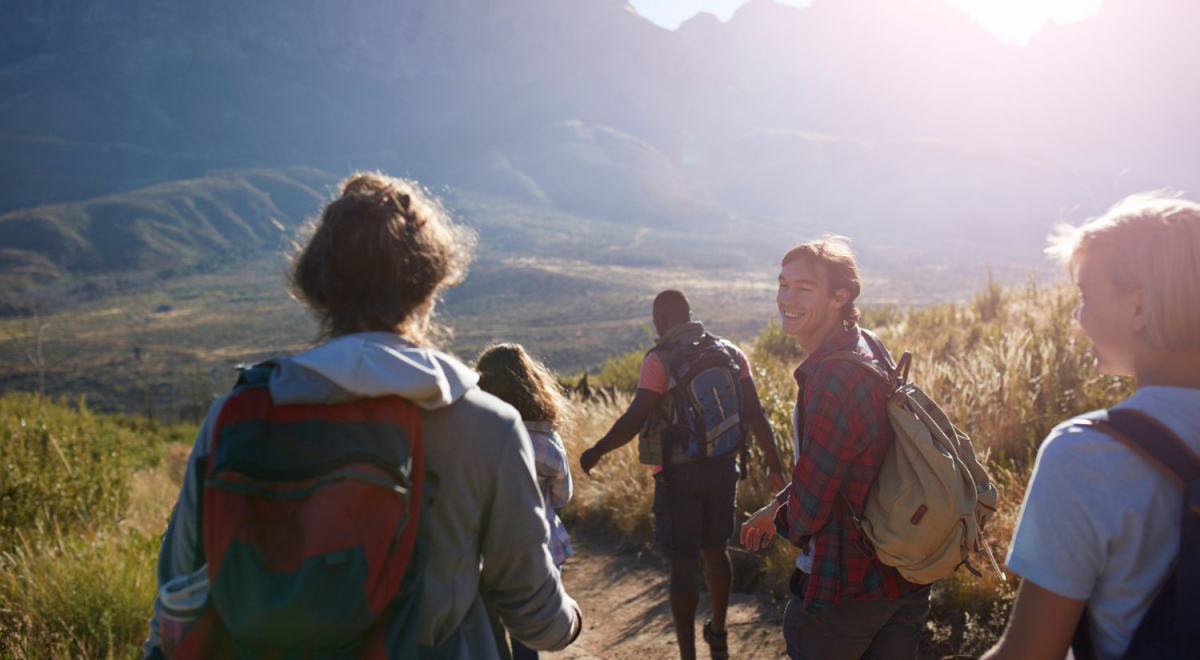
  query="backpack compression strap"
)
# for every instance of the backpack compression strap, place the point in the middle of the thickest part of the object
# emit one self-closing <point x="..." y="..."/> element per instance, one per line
<point x="1159" y="446"/>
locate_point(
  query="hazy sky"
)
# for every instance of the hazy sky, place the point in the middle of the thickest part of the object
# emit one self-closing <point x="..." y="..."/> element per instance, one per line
<point x="1010" y="20"/>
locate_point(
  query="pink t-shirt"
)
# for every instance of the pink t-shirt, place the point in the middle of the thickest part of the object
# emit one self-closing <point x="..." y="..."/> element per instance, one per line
<point x="653" y="377"/>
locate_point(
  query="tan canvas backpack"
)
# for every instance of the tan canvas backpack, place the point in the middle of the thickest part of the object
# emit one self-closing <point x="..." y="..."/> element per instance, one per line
<point x="926" y="510"/>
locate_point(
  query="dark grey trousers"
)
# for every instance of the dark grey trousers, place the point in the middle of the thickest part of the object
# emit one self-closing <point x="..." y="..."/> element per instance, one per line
<point x="873" y="629"/>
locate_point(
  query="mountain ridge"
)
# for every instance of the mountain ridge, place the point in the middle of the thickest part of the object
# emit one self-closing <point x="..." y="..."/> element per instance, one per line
<point x="592" y="111"/>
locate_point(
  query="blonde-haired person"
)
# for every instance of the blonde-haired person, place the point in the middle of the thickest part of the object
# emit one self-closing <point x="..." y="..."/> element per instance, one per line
<point x="516" y="378"/>
<point x="379" y="256"/>
<point x="1099" y="532"/>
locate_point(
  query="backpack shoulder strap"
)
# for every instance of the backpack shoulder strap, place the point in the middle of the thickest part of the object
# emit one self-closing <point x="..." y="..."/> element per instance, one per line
<point x="1150" y="439"/>
<point x="1162" y="448"/>
<point x="729" y="348"/>
<point x="860" y="360"/>
<point x="879" y="349"/>
<point x="255" y="375"/>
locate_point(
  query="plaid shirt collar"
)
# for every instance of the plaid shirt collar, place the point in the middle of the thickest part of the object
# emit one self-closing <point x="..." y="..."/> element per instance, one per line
<point x="845" y="340"/>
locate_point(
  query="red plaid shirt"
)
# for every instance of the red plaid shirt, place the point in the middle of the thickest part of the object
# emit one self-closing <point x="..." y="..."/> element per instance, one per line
<point x="842" y="411"/>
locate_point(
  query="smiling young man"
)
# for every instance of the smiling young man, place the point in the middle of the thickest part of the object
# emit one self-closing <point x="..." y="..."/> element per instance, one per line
<point x="1099" y="534"/>
<point x="845" y="603"/>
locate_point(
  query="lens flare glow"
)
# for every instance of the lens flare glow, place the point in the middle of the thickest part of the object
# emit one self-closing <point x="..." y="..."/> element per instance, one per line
<point x="1012" y="21"/>
<point x="1016" y="21"/>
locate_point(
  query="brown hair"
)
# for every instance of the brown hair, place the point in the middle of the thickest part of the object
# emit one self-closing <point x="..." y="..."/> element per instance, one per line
<point x="835" y="257"/>
<point x="515" y="377"/>
<point x="378" y="256"/>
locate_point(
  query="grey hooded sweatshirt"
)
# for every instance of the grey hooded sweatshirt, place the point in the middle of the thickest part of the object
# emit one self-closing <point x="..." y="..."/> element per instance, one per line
<point x="487" y="527"/>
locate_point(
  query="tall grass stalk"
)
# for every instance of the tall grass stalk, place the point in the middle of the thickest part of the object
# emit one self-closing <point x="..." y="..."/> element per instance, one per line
<point x="81" y="595"/>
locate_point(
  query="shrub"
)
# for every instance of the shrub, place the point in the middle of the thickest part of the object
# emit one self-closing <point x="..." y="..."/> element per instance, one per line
<point x="621" y="371"/>
<point x="774" y="342"/>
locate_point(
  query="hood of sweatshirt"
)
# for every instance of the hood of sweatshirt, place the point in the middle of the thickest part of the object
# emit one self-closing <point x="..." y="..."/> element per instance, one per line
<point x="371" y="364"/>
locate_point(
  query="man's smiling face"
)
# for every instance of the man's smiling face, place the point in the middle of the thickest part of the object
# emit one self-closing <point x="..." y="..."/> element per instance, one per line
<point x="806" y="305"/>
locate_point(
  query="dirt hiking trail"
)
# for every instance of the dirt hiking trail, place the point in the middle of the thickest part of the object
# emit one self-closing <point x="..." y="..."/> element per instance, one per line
<point x="627" y="617"/>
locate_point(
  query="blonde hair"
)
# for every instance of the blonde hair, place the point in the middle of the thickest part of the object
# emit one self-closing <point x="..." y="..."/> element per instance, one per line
<point x="1157" y="241"/>
<point x="834" y="255"/>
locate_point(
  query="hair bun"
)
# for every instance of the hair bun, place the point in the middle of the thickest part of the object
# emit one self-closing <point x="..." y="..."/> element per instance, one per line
<point x="365" y="183"/>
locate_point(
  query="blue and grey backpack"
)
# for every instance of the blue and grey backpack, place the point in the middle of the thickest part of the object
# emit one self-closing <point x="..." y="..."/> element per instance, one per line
<point x="706" y="419"/>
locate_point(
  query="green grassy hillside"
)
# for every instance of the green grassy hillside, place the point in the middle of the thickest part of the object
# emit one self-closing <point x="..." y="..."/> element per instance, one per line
<point x="174" y="224"/>
<point x="149" y="298"/>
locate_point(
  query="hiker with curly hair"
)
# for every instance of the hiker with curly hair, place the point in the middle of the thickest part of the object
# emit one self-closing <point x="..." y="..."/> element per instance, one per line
<point x="364" y="498"/>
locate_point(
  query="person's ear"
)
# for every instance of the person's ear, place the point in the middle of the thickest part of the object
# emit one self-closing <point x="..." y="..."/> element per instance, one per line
<point x="840" y="297"/>
<point x="1140" y="319"/>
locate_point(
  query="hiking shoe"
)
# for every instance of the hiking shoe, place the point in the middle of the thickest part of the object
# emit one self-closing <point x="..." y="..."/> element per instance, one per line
<point x="718" y="644"/>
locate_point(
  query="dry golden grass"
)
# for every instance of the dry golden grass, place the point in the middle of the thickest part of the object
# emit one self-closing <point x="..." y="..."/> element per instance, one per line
<point x="1007" y="368"/>
<point x="619" y="493"/>
<point x="77" y="559"/>
<point x="77" y="569"/>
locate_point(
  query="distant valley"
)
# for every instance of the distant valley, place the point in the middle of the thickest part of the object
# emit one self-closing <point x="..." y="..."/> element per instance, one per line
<point x="158" y="157"/>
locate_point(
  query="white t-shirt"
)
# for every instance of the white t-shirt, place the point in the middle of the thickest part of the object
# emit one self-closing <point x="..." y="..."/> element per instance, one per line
<point x="1100" y="524"/>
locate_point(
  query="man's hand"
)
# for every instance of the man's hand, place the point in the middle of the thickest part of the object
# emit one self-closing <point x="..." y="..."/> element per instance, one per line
<point x="589" y="459"/>
<point x="758" y="531"/>
<point x="776" y="482"/>
<point x="627" y="425"/>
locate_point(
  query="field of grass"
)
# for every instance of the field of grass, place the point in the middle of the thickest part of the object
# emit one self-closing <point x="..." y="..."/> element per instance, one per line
<point x="1006" y="366"/>
<point x="84" y="496"/>
<point x="165" y="347"/>
<point x="146" y="300"/>
<point x="164" y="344"/>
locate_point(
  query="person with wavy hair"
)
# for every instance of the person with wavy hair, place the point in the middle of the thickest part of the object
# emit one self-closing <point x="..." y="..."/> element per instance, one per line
<point x="518" y="379"/>
<point x="371" y="269"/>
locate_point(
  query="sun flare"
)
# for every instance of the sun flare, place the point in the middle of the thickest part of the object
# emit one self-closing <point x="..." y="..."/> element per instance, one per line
<point x="1011" y="21"/>
<point x="1016" y="21"/>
